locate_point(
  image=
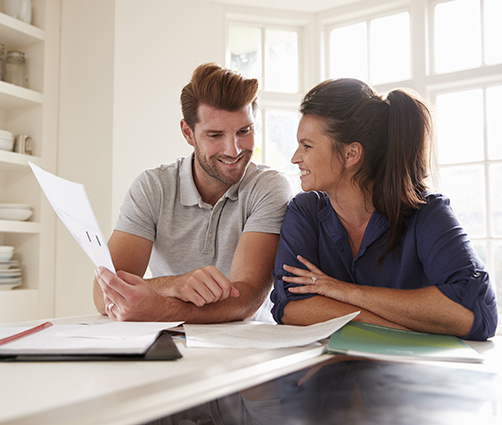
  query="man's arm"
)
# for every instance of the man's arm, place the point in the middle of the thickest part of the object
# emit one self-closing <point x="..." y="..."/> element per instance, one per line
<point x="250" y="274"/>
<point x="131" y="254"/>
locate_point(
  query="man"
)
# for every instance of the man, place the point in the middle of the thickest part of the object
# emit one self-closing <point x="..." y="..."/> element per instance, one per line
<point x="208" y="225"/>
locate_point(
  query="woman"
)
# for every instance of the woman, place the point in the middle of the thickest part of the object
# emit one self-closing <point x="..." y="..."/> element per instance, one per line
<point x="366" y="235"/>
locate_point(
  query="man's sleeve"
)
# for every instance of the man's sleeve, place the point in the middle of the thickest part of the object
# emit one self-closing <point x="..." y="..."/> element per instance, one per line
<point x="139" y="211"/>
<point x="268" y="203"/>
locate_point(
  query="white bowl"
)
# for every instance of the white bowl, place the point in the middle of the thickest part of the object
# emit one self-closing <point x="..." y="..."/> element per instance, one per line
<point x="19" y="212"/>
<point x="6" y="252"/>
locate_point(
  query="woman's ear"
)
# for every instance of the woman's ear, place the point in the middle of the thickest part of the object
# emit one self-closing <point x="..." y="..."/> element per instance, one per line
<point x="353" y="154"/>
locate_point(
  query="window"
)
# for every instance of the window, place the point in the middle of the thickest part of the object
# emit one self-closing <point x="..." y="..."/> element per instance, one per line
<point x="467" y="34"/>
<point x="375" y="50"/>
<point x="271" y="54"/>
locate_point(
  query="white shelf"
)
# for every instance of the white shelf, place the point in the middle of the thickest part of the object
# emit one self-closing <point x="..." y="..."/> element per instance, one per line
<point x="13" y="226"/>
<point x="13" y="97"/>
<point x="18" y="34"/>
<point x="33" y="112"/>
<point x="14" y="160"/>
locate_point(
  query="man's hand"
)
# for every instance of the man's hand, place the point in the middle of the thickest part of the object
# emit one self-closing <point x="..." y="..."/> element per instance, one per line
<point x="128" y="297"/>
<point x="201" y="286"/>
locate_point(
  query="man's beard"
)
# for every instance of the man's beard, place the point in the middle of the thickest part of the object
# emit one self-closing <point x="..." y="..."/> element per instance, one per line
<point x="230" y="177"/>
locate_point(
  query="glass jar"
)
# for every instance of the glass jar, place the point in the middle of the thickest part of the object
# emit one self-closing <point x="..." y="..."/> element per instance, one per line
<point x="15" y="69"/>
<point x="19" y="9"/>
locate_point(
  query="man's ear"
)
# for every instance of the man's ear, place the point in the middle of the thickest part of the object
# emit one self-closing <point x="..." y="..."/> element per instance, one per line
<point x="353" y="154"/>
<point x="187" y="133"/>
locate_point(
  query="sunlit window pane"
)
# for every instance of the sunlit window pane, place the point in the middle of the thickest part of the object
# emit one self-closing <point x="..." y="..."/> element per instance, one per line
<point x="493" y="31"/>
<point x="457" y="35"/>
<point x="496" y="199"/>
<point x="494" y="121"/>
<point x="281" y="141"/>
<point x="460" y="127"/>
<point x="349" y="52"/>
<point x="390" y="56"/>
<point x="281" y="61"/>
<point x="465" y="187"/>
<point x="245" y="50"/>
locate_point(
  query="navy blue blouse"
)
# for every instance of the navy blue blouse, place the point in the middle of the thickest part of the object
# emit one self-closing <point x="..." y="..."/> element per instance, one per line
<point x="434" y="250"/>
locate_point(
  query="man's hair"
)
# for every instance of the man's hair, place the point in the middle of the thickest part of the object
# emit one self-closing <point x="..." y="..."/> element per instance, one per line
<point x="218" y="87"/>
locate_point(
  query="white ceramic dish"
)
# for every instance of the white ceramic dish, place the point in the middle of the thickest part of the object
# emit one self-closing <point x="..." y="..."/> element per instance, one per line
<point x="11" y="213"/>
<point x="10" y="273"/>
<point x="6" y="140"/>
<point x="6" y="252"/>
<point x="4" y="265"/>
<point x="6" y="284"/>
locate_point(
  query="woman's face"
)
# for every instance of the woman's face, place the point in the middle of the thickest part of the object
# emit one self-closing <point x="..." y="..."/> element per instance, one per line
<point x="320" y="165"/>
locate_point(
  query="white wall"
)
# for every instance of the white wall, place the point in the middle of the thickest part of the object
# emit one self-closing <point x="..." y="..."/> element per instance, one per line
<point x="158" y="44"/>
<point x="123" y="64"/>
<point x="85" y="135"/>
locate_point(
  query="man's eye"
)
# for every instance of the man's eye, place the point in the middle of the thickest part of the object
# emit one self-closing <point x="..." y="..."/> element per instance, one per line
<point x="245" y="131"/>
<point x="214" y="135"/>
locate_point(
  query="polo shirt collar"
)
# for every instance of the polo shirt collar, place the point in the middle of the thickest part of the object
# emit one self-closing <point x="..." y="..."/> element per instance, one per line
<point x="190" y="194"/>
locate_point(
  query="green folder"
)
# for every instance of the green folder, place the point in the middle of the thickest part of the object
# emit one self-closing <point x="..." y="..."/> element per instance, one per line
<point x="368" y="340"/>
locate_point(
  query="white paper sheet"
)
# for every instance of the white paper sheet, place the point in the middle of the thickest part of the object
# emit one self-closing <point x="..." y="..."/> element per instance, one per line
<point x="106" y="338"/>
<point x="261" y="335"/>
<point x="72" y="206"/>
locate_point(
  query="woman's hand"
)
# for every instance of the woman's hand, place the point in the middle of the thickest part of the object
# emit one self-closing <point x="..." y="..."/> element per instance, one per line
<point x="314" y="281"/>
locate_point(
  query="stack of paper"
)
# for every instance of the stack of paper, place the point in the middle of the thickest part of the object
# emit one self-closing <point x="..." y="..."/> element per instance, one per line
<point x="261" y="335"/>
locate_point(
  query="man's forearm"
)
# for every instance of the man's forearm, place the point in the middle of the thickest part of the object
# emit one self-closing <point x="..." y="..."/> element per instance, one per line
<point x="162" y="285"/>
<point x="227" y="310"/>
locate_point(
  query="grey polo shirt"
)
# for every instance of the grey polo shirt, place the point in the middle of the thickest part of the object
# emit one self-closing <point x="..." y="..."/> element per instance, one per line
<point x="164" y="206"/>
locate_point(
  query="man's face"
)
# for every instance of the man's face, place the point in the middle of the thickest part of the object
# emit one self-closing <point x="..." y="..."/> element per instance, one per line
<point x="223" y="143"/>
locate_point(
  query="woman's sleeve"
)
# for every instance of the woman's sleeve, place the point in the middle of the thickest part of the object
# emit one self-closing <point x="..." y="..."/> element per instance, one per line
<point x="299" y="234"/>
<point x="453" y="265"/>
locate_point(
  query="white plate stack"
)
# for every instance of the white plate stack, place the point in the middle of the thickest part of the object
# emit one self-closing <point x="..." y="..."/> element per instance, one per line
<point x="10" y="272"/>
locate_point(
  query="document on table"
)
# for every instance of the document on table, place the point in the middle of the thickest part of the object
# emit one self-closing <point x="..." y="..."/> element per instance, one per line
<point x="72" y="206"/>
<point x="102" y="337"/>
<point x="250" y="334"/>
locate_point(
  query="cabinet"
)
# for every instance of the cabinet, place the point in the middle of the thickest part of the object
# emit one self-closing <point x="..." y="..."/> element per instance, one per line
<point x="32" y="111"/>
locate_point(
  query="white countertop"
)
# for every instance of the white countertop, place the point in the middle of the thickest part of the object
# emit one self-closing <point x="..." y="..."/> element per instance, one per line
<point x="131" y="392"/>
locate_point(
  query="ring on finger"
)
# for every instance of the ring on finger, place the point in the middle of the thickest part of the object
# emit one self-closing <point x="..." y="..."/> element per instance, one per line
<point x="110" y="306"/>
<point x="314" y="279"/>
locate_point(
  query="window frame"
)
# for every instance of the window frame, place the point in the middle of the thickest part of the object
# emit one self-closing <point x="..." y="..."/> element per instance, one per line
<point x="272" y="100"/>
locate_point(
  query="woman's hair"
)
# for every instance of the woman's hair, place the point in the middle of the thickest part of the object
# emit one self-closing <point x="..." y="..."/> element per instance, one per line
<point x="395" y="134"/>
<point x="218" y="87"/>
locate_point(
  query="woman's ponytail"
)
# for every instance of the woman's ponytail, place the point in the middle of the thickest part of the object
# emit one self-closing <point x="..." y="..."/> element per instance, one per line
<point x="398" y="188"/>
